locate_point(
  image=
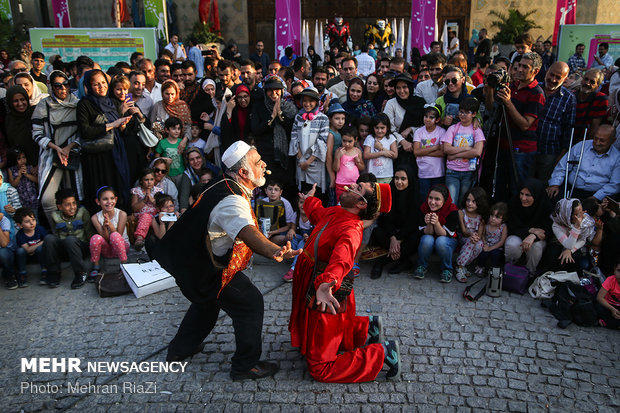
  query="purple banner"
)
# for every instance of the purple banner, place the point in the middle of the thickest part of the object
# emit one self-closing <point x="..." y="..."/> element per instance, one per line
<point x="61" y="13"/>
<point x="288" y="26"/>
<point x="423" y="24"/>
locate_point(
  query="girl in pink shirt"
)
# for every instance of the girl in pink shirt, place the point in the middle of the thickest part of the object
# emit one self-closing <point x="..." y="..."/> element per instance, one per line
<point x="347" y="161"/>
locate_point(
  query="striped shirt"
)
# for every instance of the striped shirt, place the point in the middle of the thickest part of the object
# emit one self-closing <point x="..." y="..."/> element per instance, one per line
<point x="594" y="106"/>
<point x="529" y="101"/>
<point x="555" y="122"/>
<point x="575" y="62"/>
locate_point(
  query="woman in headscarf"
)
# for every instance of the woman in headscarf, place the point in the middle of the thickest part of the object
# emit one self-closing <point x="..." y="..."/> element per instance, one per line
<point x="396" y="231"/>
<point x="236" y="124"/>
<point x="195" y="162"/>
<point x="18" y="123"/>
<point x="97" y="115"/>
<point x="26" y="81"/>
<point x="315" y="59"/>
<point x="374" y="91"/>
<point x="54" y="129"/>
<point x="271" y="122"/>
<point x="136" y="151"/>
<point x="5" y="60"/>
<point x="171" y="105"/>
<point x="204" y="101"/>
<point x="406" y="113"/>
<point x="573" y="233"/>
<point x="356" y="104"/>
<point x="528" y="224"/>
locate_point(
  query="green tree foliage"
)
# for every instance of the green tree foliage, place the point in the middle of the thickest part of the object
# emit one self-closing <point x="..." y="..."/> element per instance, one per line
<point x="512" y="25"/>
<point x="204" y="34"/>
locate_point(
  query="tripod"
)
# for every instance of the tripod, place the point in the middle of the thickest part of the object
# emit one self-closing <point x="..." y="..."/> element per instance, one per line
<point x="502" y="121"/>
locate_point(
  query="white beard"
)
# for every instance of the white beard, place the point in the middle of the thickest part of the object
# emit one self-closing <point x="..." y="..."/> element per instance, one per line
<point x="256" y="181"/>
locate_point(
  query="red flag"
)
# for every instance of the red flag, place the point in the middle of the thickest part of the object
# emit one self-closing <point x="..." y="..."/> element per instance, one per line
<point x="124" y="15"/>
<point x="564" y="14"/>
<point x="208" y="12"/>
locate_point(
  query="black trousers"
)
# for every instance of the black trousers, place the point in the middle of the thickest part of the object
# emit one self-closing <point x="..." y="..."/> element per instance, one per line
<point x="408" y="246"/>
<point x="243" y="302"/>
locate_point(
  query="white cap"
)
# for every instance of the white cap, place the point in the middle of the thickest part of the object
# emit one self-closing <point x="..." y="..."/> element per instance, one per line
<point x="234" y="153"/>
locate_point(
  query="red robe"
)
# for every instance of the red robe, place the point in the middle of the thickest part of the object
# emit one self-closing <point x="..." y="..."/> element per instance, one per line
<point x="321" y="336"/>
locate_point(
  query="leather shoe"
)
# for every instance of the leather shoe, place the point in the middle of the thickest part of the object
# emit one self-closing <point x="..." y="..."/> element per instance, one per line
<point x="176" y="357"/>
<point x="261" y="370"/>
<point x="400" y="266"/>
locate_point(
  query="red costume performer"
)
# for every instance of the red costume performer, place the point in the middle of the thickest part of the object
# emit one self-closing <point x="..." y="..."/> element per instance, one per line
<point x="321" y="336"/>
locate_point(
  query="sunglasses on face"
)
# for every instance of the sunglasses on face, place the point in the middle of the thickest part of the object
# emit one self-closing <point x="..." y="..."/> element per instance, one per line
<point x="453" y="80"/>
<point x="465" y="112"/>
<point x="160" y="171"/>
<point x="57" y="85"/>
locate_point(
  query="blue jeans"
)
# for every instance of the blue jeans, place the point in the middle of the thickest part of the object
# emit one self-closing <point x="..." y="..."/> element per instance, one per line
<point x="22" y="257"/>
<point x="297" y="243"/>
<point x="459" y="182"/>
<point x="7" y="261"/>
<point x="444" y="246"/>
<point x="427" y="183"/>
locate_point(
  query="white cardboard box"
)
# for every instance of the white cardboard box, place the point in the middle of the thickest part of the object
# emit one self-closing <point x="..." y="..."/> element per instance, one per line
<point x="147" y="278"/>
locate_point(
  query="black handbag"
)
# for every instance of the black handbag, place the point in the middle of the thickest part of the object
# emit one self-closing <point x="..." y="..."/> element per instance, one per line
<point x="101" y="144"/>
<point x="112" y="285"/>
<point x="73" y="163"/>
<point x="341" y="294"/>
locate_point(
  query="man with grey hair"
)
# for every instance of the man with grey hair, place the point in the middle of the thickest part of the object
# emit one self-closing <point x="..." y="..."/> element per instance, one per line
<point x="524" y="102"/>
<point x="592" y="105"/>
<point x="207" y="250"/>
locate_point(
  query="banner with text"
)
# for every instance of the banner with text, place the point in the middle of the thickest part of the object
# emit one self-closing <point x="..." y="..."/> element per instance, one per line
<point x="565" y="13"/>
<point x="288" y="26"/>
<point x="423" y="24"/>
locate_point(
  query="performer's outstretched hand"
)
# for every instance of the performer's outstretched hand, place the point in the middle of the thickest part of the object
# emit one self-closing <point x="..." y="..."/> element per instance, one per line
<point x="310" y="193"/>
<point x="325" y="301"/>
<point x="286" y="252"/>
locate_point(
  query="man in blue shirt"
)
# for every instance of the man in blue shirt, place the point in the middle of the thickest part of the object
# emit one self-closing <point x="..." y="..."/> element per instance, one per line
<point x="195" y="55"/>
<point x="555" y="121"/>
<point x="603" y="60"/>
<point x="261" y="57"/>
<point x="599" y="173"/>
<point x="576" y="62"/>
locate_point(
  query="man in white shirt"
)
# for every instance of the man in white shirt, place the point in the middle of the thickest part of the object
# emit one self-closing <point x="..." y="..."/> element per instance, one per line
<point x="177" y="49"/>
<point x="137" y="81"/>
<point x="365" y="62"/>
<point x="603" y="60"/>
<point x="428" y="89"/>
<point x="348" y="72"/>
<point x="209" y="270"/>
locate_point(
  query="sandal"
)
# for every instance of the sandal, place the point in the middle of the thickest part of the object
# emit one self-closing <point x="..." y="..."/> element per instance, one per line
<point x="356" y="269"/>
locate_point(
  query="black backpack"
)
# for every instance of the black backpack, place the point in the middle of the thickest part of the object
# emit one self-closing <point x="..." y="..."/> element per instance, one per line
<point x="572" y="302"/>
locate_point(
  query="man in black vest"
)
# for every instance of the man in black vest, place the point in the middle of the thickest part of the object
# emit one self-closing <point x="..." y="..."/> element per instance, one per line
<point x="207" y="249"/>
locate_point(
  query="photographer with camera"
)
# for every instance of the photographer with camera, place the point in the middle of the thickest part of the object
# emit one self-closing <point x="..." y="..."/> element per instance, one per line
<point x="523" y="102"/>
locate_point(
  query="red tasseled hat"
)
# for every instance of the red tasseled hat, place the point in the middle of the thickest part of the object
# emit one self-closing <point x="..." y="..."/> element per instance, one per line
<point x="384" y="196"/>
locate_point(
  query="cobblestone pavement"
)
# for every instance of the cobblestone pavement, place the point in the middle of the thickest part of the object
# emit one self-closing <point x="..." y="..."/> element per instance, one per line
<point x="502" y="354"/>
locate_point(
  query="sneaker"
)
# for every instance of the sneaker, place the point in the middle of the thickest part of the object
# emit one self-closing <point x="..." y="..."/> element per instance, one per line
<point x="22" y="280"/>
<point x="375" y="329"/>
<point x="461" y="274"/>
<point x="92" y="276"/>
<point x="11" y="284"/>
<point x="43" y="280"/>
<point x="78" y="280"/>
<point x="446" y="276"/>
<point x="139" y="244"/>
<point x="420" y="272"/>
<point x="392" y="360"/>
<point x="288" y="277"/>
